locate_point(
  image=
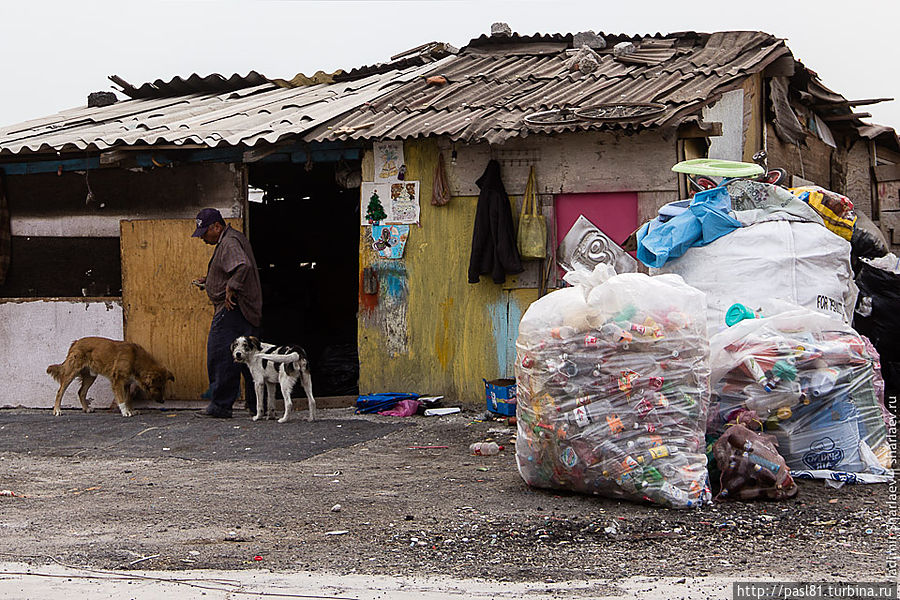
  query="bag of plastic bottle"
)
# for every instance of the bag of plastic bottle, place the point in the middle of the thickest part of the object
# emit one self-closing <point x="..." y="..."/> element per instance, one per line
<point x="751" y="467"/>
<point x="808" y="380"/>
<point x="612" y="380"/>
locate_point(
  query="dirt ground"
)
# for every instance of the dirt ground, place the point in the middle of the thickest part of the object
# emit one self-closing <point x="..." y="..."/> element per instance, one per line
<point x="166" y="490"/>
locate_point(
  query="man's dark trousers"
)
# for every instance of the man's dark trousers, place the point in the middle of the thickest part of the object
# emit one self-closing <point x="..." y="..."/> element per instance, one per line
<point x="224" y="373"/>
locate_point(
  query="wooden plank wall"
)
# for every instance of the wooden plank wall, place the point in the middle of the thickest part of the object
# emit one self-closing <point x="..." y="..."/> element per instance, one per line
<point x="812" y="163"/>
<point x="427" y="330"/>
<point x="754" y="113"/>
<point x="162" y="311"/>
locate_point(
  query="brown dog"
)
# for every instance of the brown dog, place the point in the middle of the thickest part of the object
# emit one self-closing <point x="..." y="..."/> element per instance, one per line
<point x="123" y="363"/>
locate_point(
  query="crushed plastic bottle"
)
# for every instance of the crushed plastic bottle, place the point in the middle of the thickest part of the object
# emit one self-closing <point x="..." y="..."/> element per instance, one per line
<point x="485" y="448"/>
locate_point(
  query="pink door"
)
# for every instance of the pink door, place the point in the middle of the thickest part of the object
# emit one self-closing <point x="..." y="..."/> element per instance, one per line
<point x="614" y="213"/>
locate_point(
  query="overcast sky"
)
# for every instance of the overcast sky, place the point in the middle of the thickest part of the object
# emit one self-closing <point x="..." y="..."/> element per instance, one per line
<point x="52" y="54"/>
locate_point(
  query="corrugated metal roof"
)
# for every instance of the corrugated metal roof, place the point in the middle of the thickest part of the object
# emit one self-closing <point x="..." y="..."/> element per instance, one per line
<point x="248" y="116"/>
<point x="494" y="83"/>
<point x="194" y="84"/>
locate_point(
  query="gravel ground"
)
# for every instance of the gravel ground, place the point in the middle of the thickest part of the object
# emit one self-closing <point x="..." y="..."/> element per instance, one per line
<point x="108" y="492"/>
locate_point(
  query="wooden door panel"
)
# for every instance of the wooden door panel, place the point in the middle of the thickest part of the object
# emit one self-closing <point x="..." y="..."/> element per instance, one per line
<point x="616" y="213"/>
<point x="163" y="312"/>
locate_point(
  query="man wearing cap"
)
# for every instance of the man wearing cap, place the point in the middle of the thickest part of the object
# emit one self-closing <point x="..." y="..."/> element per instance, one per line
<point x="232" y="284"/>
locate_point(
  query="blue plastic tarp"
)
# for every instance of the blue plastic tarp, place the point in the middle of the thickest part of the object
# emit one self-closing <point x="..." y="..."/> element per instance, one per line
<point x="705" y="220"/>
<point x="373" y="403"/>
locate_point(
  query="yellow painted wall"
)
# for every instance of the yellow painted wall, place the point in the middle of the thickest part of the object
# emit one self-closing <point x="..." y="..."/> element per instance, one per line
<point x="430" y="331"/>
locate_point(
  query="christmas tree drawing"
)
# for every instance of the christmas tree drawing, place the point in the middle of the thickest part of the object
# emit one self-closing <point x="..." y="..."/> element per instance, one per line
<point x="375" y="211"/>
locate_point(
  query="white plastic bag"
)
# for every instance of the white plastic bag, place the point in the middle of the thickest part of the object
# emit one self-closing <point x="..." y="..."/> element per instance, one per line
<point x="612" y="381"/>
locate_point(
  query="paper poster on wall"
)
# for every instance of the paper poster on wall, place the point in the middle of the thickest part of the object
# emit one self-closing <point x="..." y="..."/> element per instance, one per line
<point x="388" y="160"/>
<point x="389" y="240"/>
<point x="404" y="202"/>
<point x="389" y="203"/>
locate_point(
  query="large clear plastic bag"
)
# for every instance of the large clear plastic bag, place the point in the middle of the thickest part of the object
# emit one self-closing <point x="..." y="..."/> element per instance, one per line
<point x="613" y="387"/>
<point x="809" y="380"/>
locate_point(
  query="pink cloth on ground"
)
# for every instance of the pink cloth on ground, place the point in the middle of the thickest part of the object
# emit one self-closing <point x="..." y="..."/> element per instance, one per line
<point x="404" y="408"/>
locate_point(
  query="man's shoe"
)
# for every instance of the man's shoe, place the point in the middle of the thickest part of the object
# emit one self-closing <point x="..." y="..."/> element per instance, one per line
<point x="204" y="414"/>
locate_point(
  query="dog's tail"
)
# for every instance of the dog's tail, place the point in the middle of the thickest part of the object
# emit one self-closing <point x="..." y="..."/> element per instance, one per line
<point x="54" y="371"/>
<point x="280" y="358"/>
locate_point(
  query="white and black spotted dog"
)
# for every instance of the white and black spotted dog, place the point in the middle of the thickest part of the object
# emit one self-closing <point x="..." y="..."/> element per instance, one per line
<point x="269" y="364"/>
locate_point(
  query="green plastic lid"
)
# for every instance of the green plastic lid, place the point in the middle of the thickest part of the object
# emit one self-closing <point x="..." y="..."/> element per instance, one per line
<point x="737" y="313"/>
<point x="715" y="167"/>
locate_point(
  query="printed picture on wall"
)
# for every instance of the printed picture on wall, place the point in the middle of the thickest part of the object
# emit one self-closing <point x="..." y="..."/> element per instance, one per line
<point x="389" y="240"/>
<point x="388" y="160"/>
<point x="405" y="202"/>
<point x="389" y="203"/>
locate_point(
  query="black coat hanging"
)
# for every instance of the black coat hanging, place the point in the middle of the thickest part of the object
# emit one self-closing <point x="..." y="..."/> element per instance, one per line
<point x="494" y="249"/>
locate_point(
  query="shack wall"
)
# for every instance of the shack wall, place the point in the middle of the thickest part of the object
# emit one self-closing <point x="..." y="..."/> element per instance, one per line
<point x="65" y="247"/>
<point x="427" y="330"/>
<point x="812" y="163"/>
<point x="858" y="177"/>
<point x="36" y="334"/>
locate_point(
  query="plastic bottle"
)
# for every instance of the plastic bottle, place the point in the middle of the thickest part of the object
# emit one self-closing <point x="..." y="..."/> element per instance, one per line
<point x="822" y="381"/>
<point x="485" y="448"/>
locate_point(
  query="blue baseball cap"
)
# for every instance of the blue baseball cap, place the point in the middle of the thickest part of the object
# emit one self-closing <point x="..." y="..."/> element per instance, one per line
<point x="205" y="218"/>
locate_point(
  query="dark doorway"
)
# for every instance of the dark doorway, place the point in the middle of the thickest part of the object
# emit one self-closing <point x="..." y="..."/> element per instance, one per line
<point x="305" y="233"/>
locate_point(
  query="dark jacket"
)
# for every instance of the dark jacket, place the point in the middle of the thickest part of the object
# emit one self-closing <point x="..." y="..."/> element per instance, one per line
<point x="494" y="249"/>
<point x="233" y="266"/>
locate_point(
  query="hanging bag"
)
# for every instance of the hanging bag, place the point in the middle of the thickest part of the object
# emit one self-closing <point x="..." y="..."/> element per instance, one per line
<point x="532" y="236"/>
<point x="440" y="194"/>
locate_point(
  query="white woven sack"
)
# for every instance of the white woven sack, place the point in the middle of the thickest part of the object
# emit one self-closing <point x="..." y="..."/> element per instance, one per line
<point x="775" y="256"/>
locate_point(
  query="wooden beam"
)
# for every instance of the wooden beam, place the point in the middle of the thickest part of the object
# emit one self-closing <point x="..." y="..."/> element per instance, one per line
<point x="693" y="130"/>
<point x="251" y="156"/>
<point x="851" y="103"/>
<point x="114" y="156"/>
<point x="849" y="117"/>
<point x="886" y="173"/>
<point x="165" y="147"/>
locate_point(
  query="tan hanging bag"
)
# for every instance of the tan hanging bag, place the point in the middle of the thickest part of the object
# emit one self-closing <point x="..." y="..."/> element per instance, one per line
<point x="440" y="194"/>
<point x="532" y="237"/>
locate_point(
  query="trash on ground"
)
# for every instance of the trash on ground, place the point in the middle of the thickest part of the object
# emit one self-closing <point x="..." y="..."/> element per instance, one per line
<point x="403" y="408"/>
<point x="485" y="448"/>
<point x="373" y="403"/>
<point x="500" y="396"/>
<point x="751" y="466"/>
<point x="439" y="412"/>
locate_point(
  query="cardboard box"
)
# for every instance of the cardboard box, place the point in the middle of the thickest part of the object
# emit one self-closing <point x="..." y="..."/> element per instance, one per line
<point x="500" y="395"/>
